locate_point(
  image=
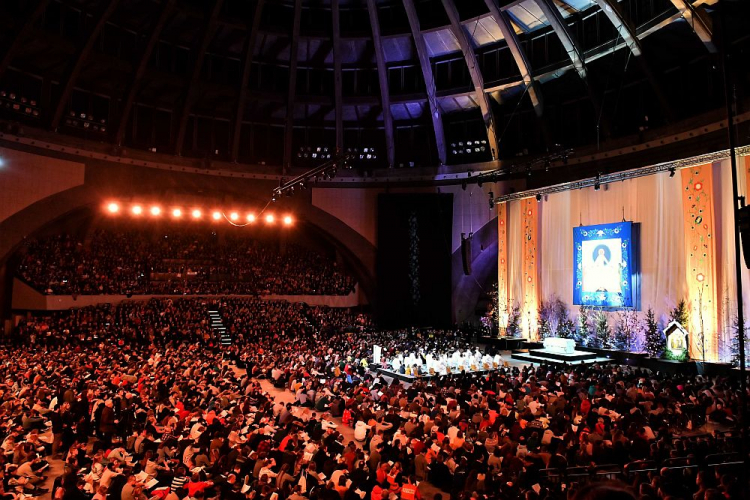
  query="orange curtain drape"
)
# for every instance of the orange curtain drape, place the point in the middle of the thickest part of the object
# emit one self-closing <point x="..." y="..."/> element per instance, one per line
<point x="700" y="251"/>
<point x="530" y="275"/>
<point x="502" y="264"/>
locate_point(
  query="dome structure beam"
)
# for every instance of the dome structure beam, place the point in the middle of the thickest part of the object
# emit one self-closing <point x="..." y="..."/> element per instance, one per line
<point x="560" y="27"/>
<point x="337" y="83"/>
<point x="552" y="12"/>
<point x="697" y="23"/>
<point x="629" y="35"/>
<point x="385" y="95"/>
<point x="247" y="62"/>
<point x="20" y="34"/>
<point x="292" y="90"/>
<point x="519" y="56"/>
<point x="187" y="99"/>
<point x="476" y="74"/>
<point x="73" y="69"/>
<point x="429" y="79"/>
<point x="137" y="76"/>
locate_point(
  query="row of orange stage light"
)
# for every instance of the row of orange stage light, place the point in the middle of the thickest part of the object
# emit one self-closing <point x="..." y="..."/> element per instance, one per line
<point x="137" y="210"/>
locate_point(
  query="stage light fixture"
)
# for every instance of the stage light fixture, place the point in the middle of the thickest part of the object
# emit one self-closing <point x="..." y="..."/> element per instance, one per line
<point x="539" y="198"/>
<point x="672" y="171"/>
<point x="492" y="200"/>
<point x="288" y="220"/>
<point x="234" y="216"/>
<point x="269" y="219"/>
<point x="177" y="213"/>
<point x="137" y="210"/>
<point x="216" y="215"/>
<point x="196" y="213"/>
<point x="113" y="208"/>
<point x="155" y="211"/>
<point x="251" y="218"/>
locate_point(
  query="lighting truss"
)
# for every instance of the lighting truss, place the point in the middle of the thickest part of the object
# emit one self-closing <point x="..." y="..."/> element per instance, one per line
<point x="326" y="170"/>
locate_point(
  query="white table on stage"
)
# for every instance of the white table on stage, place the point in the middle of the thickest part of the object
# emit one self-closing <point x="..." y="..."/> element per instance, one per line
<point x="558" y="345"/>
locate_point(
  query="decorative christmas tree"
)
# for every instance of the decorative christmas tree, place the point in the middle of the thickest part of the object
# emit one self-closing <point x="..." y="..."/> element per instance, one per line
<point x="734" y="346"/>
<point x="654" y="337"/>
<point x="545" y="320"/>
<point x="567" y="329"/>
<point x="626" y="331"/>
<point x="582" y="335"/>
<point x="681" y="315"/>
<point x="603" y="333"/>
<point x="514" y="322"/>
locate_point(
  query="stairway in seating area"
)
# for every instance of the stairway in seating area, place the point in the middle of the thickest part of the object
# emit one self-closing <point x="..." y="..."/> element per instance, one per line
<point x="217" y="325"/>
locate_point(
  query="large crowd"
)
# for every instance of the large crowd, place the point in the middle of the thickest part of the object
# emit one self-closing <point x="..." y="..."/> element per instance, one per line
<point x="177" y="261"/>
<point x="140" y="402"/>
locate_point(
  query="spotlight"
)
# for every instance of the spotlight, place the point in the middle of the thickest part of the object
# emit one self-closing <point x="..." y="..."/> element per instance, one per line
<point x="250" y="217"/>
<point x="269" y="219"/>
<point x="137" y="210"/>
<point x="672" y="171"/>
<point x="287" y="220"/>
<point x="196" y="214"/>
<point x="155" y="211"/>
<point x="492" y="200"/>
<point x="234" y="216"/>
<point x="177" y="213"/>
<point x="539" y="198"/>
<point x="597" y="183"/>
<point x="113" y="208"/>
<point x="216" y="215"/>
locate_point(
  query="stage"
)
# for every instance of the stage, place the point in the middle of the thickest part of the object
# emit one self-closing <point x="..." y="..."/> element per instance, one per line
<point x="411" y="378"/>
<point x="550" y="357"/>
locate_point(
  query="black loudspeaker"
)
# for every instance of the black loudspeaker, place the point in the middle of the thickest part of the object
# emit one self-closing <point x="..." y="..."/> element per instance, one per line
<point x="466" y="252"/>
<point x="743" y="220"/>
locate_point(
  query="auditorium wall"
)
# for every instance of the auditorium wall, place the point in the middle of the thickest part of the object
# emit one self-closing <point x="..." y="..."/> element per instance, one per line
<point x="26" y="178"/>
<point x="679" y="258"/>
<point x="357" y="207"/>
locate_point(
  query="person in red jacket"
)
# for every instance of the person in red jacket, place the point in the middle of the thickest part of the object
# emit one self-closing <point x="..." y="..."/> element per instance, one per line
<point x="410" y="490"/>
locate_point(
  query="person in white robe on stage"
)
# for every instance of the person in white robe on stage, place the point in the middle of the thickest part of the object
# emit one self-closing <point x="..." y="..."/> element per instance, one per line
<point x="487" y="360"/>
<point x="442" y="367"/>
<point x="396" y="364"/>
<point x="456" y="359"/>
<point x="498" y="360"/>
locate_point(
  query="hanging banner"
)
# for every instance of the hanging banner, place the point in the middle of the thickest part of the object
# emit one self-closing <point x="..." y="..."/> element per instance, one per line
<point x="529" y="321"/>
<point x="502" y="266"/>
<point x="700" y="252"/>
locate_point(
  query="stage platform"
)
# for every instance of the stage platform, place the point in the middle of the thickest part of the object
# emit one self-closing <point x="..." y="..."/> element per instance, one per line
<point x="545" y="356"/>
<point x="411" y="378"/>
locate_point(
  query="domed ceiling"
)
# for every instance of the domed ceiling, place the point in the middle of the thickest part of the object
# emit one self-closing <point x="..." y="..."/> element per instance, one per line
<point x="398" y="82"/>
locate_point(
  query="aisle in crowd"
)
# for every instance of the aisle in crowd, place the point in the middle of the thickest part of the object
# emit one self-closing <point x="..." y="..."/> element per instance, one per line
<point x="139" y="402"/>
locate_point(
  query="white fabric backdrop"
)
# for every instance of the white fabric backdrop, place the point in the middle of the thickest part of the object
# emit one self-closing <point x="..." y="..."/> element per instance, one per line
<point x="727" y="281"/>
<point x="655" y="202"/>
